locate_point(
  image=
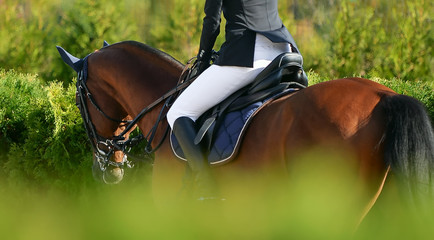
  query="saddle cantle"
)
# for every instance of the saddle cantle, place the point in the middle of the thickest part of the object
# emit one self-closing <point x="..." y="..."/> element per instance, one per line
<point x="222" y="127"/>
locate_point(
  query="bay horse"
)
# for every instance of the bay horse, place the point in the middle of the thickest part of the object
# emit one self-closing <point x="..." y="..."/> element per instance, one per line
<point x="381" y="131"/>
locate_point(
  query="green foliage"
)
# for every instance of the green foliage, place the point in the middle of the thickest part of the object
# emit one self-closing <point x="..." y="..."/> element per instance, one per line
<point x="182" y="29"/>
<point x="337" y="38"/>
<point x="391" y="39"/>
<point x="407" y="52"/>
<point x="30" y="31"/>
<point x="352" y="41"/>
<point x="309" y="209"/>
<point x="180" y="36"/>
<point x="42" y="133"/>
<point x="83" y="25"/>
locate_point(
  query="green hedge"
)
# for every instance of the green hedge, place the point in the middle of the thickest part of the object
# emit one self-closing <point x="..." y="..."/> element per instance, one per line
<point x="337" y="38"/>
<point x="43" y="142"/>
<point x="31" y="29"/>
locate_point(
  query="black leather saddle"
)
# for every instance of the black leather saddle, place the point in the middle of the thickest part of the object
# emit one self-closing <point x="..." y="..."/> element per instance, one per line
<point x="284" y="72"/>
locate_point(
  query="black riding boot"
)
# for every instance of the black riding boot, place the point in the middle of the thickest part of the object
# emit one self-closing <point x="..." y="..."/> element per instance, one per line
<point x="185" y="131"/>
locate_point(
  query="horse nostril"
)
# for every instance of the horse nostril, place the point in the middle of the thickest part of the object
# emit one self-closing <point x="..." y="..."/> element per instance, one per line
<point x="113" y="175"/>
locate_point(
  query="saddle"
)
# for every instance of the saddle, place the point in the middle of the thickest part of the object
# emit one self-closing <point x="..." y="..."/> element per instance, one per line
<point x="221" y="128"/>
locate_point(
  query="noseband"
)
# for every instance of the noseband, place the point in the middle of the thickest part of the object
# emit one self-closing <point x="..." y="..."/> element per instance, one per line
<point x="104" y="148"/>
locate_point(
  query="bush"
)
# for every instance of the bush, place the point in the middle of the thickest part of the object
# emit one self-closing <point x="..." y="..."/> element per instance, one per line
<point x="43" y="138"/>
<point x="180" y="35"/>
<point x="407" y="52"/>
<point x="32" y="29"/>
<point x="381" y="38"/>
<point x="18" y="96"/>
<point x="352" y="43"/>
<point x="337" y="38"/>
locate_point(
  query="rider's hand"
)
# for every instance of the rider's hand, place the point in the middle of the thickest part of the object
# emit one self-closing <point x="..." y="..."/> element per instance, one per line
<point x="202" y="63"/>
<point x="198" y="68"/>
<point x="202" y="66"/>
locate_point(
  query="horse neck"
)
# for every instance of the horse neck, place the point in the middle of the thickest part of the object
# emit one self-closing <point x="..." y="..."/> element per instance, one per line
<point x="137" y="78"/>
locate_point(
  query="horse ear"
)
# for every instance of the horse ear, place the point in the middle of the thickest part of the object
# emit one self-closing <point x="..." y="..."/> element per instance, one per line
<point x="105" y="44"/>
<point x="74" y="62"/>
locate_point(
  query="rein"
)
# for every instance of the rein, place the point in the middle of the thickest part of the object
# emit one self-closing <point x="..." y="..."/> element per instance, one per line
<point x="103" y="147"/>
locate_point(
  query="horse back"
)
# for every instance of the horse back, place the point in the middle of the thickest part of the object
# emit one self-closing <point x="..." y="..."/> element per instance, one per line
<point x="339" y="116"/>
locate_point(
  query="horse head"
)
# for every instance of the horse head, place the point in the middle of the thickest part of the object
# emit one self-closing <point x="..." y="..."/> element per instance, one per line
<point x="109" y="154"/>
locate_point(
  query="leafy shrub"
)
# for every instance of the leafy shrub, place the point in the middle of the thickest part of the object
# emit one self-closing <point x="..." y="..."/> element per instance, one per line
<point x="356" y="32"/>
<point x="42" y="131"/>
<point x="182" y="28"/>
<point x="85" y="24"/>
<point x="16" y="104"/>
<point x="32" y="29"/>
<point x="407" y="52"/>
<point x="337" y="38"/>
<point x="387" y="39"/>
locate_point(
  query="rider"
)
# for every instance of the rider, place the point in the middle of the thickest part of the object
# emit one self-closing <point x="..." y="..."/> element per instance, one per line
<point x="254" y="36"/>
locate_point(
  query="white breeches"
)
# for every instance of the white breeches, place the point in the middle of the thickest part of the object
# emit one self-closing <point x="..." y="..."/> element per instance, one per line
<point x="218" y="82"/>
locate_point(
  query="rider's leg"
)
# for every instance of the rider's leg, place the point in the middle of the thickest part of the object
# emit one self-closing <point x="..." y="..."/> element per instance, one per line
<point x="211" y="87"/>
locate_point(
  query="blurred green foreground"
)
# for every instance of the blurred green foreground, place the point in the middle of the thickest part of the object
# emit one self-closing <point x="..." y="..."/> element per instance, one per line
<point x="317" y="205"/>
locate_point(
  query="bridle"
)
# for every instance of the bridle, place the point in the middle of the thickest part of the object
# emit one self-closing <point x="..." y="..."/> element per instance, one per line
<point x="104" y="148"/>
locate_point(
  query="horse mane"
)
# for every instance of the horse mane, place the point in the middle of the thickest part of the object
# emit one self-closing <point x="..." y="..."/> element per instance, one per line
<point x="148" y="49"/>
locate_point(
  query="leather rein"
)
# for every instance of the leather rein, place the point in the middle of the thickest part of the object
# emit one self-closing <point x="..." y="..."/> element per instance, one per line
<point x="103" y="147"/>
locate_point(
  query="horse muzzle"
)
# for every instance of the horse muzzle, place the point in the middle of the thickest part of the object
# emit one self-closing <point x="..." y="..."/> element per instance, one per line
<point x="111" y="175"/>
<point x="107" y="171"/>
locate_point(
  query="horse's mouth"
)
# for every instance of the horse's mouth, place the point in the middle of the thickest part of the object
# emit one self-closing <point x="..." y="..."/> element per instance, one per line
<point x="113" y="175"/>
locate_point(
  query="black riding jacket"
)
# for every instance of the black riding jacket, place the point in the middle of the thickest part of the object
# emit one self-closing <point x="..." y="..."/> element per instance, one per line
<point x="244" y="18"/>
